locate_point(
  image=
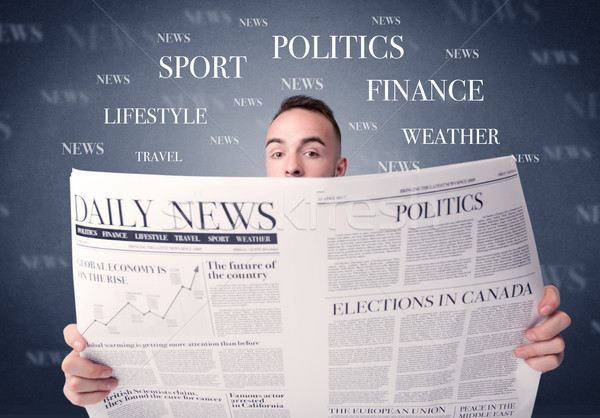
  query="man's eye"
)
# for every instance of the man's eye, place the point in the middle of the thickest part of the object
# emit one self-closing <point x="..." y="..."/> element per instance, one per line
<point x="277" y="154"/>
<point x="311" y="154"/>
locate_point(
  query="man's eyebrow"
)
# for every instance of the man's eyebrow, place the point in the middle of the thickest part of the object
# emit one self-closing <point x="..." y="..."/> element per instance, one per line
<point x="304" y="141"/>
<point x="273" y="141"/>
<point x="313" y="139"/>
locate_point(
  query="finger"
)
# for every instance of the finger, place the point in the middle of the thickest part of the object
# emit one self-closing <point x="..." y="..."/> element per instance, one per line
<point x="82" y="399"/>
<point x="554" y="345"/>
<point x="78" y="366"/>
<point x="73" y="338"/>
<point x="550" y="301"/>
<point x="556" y="323"/>
<point x="546" y="363"/>
<point x="81" y="385"/>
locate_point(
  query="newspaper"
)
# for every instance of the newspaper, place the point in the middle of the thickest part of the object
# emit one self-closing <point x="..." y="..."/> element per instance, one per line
<point x="398" y="294"/>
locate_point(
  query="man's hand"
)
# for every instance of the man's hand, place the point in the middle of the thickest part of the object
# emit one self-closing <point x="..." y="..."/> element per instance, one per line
<point x="547" y="350"/>
<point x="86" y="383"/>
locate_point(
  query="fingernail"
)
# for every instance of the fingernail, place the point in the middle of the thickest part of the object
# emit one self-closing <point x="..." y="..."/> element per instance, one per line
<point x="521" y="353"/>
<point x="546" y="310"/>
<point x="530" y="335"/>
<point x="77" y="345"/>
<point x="106" y="373"/>
<point x="113" y="384"/>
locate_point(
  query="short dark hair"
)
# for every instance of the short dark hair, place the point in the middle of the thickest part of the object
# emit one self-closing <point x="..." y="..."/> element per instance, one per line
<point x="312" y="104"/>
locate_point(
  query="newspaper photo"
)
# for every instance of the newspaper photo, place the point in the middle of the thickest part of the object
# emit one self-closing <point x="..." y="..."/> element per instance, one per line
<point x="400" y="294"/>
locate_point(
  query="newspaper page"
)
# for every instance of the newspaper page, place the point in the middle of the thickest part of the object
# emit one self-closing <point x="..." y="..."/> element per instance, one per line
<point x="397" y="295"/>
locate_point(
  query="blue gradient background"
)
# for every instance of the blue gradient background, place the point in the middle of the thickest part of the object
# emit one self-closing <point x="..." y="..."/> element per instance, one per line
<point x="535" y="107"/>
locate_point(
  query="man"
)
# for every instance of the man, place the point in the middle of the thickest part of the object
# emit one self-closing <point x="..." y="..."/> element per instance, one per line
<point x="304" y="140"/>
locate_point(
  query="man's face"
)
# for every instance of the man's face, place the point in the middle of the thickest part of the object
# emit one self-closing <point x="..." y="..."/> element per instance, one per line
<point x="302" y="143"/>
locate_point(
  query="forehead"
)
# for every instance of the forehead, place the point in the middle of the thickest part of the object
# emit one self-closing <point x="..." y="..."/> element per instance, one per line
<point x="298" y="124"/>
